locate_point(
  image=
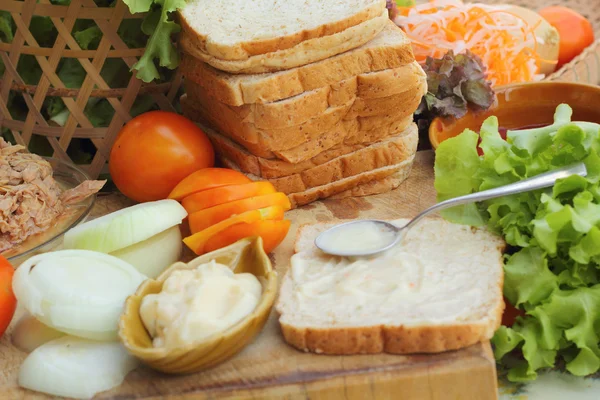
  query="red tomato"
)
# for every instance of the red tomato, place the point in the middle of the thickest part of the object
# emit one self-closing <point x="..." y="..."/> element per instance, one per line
<point x="510" y="314"/>
<point x="154" y="152"/>
<point x="576" y="32"/>
<point x="8" y="301"/>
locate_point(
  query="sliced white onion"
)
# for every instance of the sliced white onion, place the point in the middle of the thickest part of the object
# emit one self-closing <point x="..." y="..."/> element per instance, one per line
<point x="125" y="227"/>
<point x="29" y="334"/>
<point x="152" y="256"/>
<point x="78" y="292"/>
<point x="75" y="367"/>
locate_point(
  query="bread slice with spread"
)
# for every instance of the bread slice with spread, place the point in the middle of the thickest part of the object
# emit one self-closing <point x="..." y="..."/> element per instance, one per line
<point x="439" y="290"/>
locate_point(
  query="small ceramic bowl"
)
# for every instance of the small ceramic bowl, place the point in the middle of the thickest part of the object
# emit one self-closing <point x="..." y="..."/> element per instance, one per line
<point x="246" y="255"/>
<point x="524" y="105"/>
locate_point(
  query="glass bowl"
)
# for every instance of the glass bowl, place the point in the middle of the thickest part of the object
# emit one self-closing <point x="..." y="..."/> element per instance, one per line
<point x="67" y="176"/>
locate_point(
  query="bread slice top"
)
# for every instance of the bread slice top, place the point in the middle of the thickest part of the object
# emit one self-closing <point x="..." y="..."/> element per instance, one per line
<point x="391" y="48"/>
<point x="442" y="274"/>
<point x="307" y="52"/>
<point x="238" y="30"/>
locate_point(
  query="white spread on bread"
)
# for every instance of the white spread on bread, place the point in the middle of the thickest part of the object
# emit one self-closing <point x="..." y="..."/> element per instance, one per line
<point x="440" y="274"/>
<point x="198" y="303"/>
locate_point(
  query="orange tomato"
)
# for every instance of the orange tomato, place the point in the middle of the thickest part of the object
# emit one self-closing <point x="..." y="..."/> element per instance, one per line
<point x="197" y="241"/>
<point x="208" y="178"/>
<point x="225" y="194"/>
<point x="203" y="219"/>
<point x="8" y="301"/>
<point x="154" y="152"/>
<point x="271" y="232"/>
<point x="575" y="31"/>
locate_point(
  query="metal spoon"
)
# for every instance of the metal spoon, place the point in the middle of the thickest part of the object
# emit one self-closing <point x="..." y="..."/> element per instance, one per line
<point x="547" y="179"/>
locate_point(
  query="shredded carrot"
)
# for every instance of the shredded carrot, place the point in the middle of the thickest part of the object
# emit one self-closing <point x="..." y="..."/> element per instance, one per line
<point x="505" y="42"/>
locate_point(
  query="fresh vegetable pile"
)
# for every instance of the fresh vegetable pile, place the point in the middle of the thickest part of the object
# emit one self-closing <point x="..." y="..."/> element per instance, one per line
<point x="552" y="270"/>
<point x="505" y="41"/>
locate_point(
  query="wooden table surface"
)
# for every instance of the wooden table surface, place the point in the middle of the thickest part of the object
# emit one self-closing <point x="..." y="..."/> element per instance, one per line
<point x="269" y="369"/>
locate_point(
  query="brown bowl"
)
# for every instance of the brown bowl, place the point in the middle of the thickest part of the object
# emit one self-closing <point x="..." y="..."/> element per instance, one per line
<point x="246" y="255"/>
<point x="524" y="105"/>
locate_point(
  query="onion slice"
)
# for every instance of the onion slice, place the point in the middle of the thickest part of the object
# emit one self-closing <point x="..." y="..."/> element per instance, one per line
<point x="152" y="256"/>
<point x="29" y="334"/>
<point x="125" y="227"/>
<point x="75" y="367"/>
<point x="78" y="292"/>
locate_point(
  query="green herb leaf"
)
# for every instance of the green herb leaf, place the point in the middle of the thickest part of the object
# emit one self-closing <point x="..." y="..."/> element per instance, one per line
<point x="160" y="44"/>
<point x="138" y="6"/>
<point x="88" y="38"/>
<point x="6" y="27"/>
<point x="456" y="83"/>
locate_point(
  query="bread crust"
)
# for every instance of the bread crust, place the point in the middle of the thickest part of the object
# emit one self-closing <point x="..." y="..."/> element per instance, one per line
<point x="391" y="339"/>
<point x="377" y="155"/>
<point x="280" y="114"/>
<point x="391" y="49"/>
<point x="400" y="171"/>
<point x="385" y="339"/>
<point x="333" y="188"/>
<point x="308" y="140"/>
<point x="298" y="109"/>
<point x="374" y="187"/>
<point x="245" y="50"/>
<point x="275" y="168"/>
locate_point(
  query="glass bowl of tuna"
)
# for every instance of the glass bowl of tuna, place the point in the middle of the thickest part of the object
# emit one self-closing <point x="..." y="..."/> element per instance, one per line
<point x="40" y="200"/>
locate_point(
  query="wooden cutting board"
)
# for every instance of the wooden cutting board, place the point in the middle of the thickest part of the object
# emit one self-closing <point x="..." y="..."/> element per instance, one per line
<point x="269" y="369"/>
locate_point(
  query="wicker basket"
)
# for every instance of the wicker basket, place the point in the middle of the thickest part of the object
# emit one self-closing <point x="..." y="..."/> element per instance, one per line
<point x="77" y="126"/>
<point x="585" y="68"/>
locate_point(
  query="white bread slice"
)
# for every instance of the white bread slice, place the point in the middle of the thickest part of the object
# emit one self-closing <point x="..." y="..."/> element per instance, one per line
<point x="390" y="49"/>
<point x="298" y="143"/>
<point x="332" y="188"/>
<point x="347" y="132"/>
<point x="448" y="293"/>
<point x="280" y="114"/>
<point x="374" y="187"/>
<point x="275" y="168"/>
<point x="298" y="109"/>
<point x="307" y="52"/>
<point x="387" y="152"/>
<point x="238" y="30"/>
<point x="292" y="116"/>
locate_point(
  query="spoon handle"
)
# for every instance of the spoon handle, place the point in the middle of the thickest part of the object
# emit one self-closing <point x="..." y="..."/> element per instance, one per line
<point x="540" y="181"/>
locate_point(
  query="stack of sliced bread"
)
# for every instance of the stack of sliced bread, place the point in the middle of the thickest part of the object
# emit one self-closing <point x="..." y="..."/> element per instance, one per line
<point x="316" y="97"/>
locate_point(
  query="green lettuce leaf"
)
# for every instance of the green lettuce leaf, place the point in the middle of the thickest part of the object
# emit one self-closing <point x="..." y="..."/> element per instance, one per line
<point x="553" y="271"/>
<point x="527" y="278"/>
<point x="456" y="166"/>
<point x="159" y="24"/>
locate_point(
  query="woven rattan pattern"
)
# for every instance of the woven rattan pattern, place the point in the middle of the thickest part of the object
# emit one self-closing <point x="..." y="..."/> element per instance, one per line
<point x="77" y="125"/>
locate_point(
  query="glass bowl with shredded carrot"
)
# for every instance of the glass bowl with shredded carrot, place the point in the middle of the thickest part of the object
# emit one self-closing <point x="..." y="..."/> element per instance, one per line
<point x="514" y="44"/>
